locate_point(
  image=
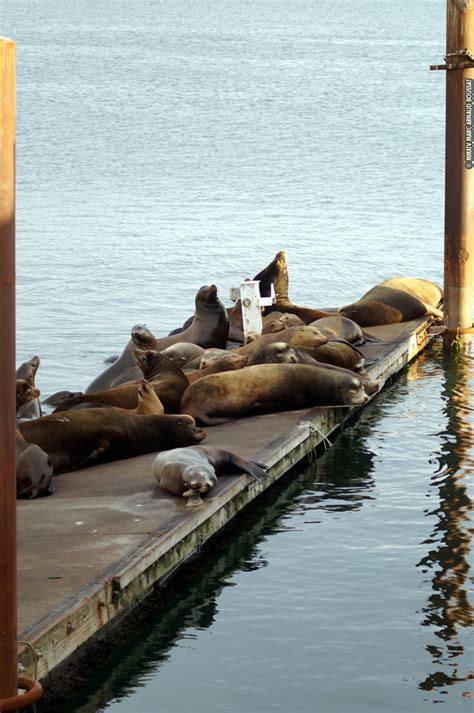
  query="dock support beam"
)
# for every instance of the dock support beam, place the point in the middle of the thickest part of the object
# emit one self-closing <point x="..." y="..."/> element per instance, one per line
<point x="459" y="171"/>
<point x="8" y="592"/>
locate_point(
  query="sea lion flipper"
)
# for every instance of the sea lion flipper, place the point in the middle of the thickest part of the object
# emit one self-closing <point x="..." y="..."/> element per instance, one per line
<point x="257" y="471"/>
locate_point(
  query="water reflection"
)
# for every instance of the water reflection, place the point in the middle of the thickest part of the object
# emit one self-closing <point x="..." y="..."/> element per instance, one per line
<point x="449" y="610"/>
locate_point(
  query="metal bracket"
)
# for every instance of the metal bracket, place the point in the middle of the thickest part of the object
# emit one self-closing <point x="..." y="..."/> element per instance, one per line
<point x="456" y="65"/>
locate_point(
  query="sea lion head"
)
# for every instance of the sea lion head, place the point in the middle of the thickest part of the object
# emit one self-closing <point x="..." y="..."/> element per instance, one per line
<point x="206" y="297"/>
<point x="275" y="353"/>
<point x="25" y="392"/>
<point x="142" y="337"/>
<point x="198" y="479"/>
<point x="353" y="392"/>
<point x="192" y="434"/>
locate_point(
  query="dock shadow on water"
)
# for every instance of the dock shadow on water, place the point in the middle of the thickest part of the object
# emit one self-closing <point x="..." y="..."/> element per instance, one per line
<point x="343" y="587"/>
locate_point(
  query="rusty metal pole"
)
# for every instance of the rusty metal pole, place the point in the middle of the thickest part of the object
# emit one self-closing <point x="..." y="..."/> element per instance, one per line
<point x="8" y="574"/>
<point x="459" y="189"/>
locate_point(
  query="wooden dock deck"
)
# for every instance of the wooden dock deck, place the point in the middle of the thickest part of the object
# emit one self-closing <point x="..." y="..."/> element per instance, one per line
<point x="90" y="552"/>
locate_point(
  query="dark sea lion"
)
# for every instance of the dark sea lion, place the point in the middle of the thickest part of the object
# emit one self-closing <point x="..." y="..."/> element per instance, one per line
<point x="269" y="387"/>
<point x="77" y="439"/>
<point x="228" y="362"/>
<point x="386" y="304"/>
<point x="341" y="327"/>
<point x="141" y="337"/>
<point x="27" y="371"/>
<point x="167" y="379"/>
<point x="336" y="352"/>
<point x="189" y="472"/>
<point x="25" y="392"/>
<point x="282" y="353"/>
<point x="34" y="469"/>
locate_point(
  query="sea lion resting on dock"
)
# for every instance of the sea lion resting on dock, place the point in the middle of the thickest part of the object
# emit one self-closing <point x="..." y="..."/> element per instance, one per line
<point x="27" y="371"/>
<point x="282" y="353"/>
<point x="77" y="439"/>
<point x="167" y="379"/>
<point x="395" y="300"/>
<point x="189" y="472"/>
<point x="34" y="469"/>
<point x="209" y="328"/>
<point x="269" y="387"/>
<point x="218" y="364"/>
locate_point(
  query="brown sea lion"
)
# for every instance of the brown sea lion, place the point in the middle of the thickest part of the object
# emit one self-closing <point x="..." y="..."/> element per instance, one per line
<point x="277" y="321"/>
<point x="298" y="336"/>
<point x="228" y="362"/>
<point x="167" y="379"/>
<point x="282" y="353"/>
<point x="339" y="327"/>
<point x="336" y="352"/>
<point x="25" y="392"/>
<point x="386" y="304"/>
<point x="269" y="387"/>
<point x="27" y="371"/>
<point x="189" y="472"/>
<point x="76" y="439"/>
<point x="210" y="355"/>
<point x="209" y="328"/>
<point x="34" y="469"/>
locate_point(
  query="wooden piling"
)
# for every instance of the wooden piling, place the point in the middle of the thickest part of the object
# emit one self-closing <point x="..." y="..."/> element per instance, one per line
<point x="8" y="591"/>
<point x="459" y="167"/>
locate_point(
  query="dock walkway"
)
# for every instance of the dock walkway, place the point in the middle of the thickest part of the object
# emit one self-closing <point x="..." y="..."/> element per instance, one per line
<point x="90" y="552"/>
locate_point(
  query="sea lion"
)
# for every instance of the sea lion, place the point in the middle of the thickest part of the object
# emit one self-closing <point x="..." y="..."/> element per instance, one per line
<point x="25" y="392"/>
<point x="387" y="304"/>
<point x="227" y="362"/>
<point x="188" y="472"/>
<point x="27" y="371"/>
<point x="141" y="337"/>
<point x="277" y="321"/>
<point x="77" y="439"/>
<point x="339" y="327"/>
<point x="167" y="379"/>
<point x="182" y="353"/>
<point x="282" y="353"/>
<point x="34" y="469"/>
<point x="269" y="387"/>
<point x="298" y="336"/>
<point x="209" y="328"/>
<point x="336" y="352"/>
<point x="210" y="355"/>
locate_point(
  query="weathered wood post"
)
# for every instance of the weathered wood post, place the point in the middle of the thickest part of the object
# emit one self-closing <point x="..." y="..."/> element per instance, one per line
<point x="8" y="594"/>
<point x="459" y="171"/>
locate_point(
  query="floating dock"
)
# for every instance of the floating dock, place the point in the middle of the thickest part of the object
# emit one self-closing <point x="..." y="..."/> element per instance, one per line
<point x="93" y="550"/>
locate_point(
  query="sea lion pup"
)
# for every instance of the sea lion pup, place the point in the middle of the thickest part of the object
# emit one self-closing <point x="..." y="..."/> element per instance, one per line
<point x="189" y="472"/>
<point x="34" y="469"/>
<point x="182" y="353"/>
<point x="25" y="392"/>
<point x="77" y="439"/>
<point x="167" y="379"/>
<point x="282" y="353"/>
<point x="27" y="371"/>
<point x="269" y="387"/>
<point x="227" y="362"/>
<point x="387" y="304"/>
<point x="142" y="338"/>
<point x="339" y="327"/>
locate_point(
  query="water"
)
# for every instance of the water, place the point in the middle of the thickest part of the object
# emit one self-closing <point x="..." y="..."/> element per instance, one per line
<point x="162" y="146"/>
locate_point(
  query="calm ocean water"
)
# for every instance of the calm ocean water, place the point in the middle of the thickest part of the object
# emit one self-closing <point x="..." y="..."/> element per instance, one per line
<point x="165" y="145"/>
